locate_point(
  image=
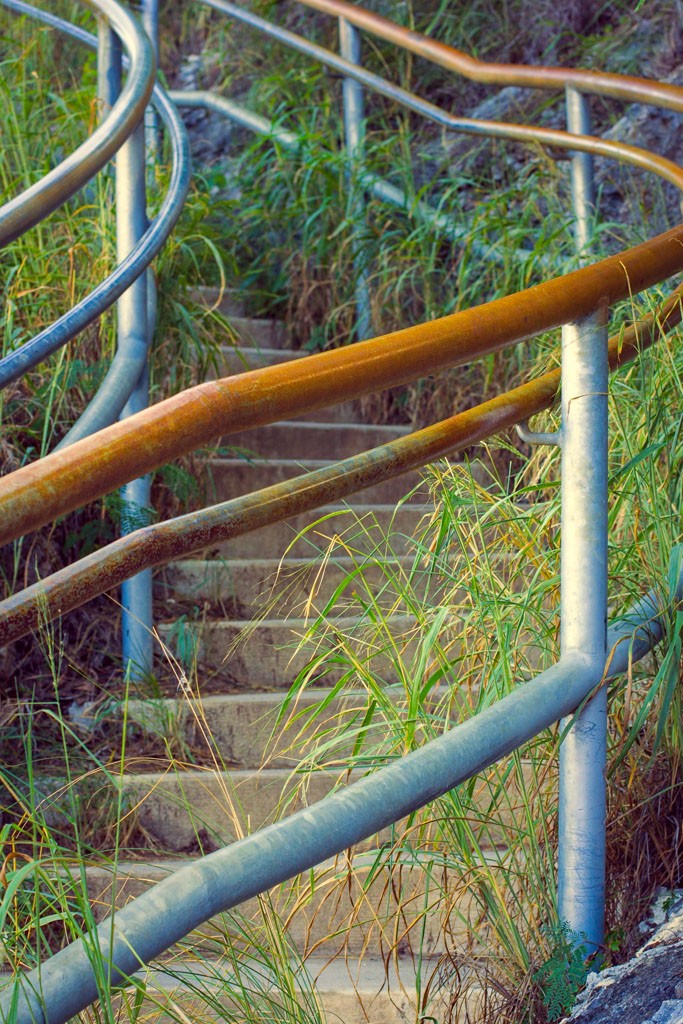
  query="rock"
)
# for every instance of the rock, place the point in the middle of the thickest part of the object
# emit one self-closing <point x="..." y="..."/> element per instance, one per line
<point x="646" y="990"/>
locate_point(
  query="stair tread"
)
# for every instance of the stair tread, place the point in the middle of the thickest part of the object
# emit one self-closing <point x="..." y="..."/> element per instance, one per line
<point x="295" y="463"/>
<point x="301" y="622"/>
<point x="292" y="562"/>
<point x="311" y="426"/>
<point x="233" y="477"/>
<point x="274" y="699"/>
<point x="217" y="806"/>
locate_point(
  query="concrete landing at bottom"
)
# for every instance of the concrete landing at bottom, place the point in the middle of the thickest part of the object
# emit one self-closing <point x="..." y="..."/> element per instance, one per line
<point x="347" y="991"/>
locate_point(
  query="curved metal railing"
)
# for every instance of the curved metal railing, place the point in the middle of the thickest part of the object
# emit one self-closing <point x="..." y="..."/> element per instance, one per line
<point x="95" y="465"/>
<point x="36" y="202"/>
<point x="124" y="388"/>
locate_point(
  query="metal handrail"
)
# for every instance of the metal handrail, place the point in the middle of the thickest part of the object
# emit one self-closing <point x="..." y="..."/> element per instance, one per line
<point x="621" y="87"/>
<point x="665" y="168"/>
<point x="64" y="480"/>
<point x="67" y="983"/>
<point x="159" y="543"/>
<point x="46" y="195"/>
<point x="24" y="358"/>
<point x="124" y="388"/>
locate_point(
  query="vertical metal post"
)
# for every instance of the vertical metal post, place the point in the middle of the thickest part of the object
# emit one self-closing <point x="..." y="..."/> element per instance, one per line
<point x="583" y="187"/>
<point x="132" y="315"/>
<point x="581" y="870"/>
<point x="109" y="64"/>
<point x="131" y="222"/>
<point x="581" y="867"/>
<point x="149" y="12"/>
<point x="350" y="49"/>
<point x="149" y="15"/>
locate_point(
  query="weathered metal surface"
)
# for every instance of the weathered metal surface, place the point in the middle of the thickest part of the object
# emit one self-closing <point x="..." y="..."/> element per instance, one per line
<point x="66" y="983"/>
<point x="36" y="202"/>
<point x="155" y="545"/>
<point x="97" y="465"/>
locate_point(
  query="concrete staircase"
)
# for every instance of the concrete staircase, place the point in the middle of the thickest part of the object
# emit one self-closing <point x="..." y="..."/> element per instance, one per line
<point x="360" y="926"/>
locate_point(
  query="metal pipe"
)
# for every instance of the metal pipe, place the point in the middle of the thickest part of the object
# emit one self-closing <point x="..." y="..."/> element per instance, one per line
<point x="581" y="845"/>
<point x="157" y="544"/>
<point x="623" y="87"/>
<point x="149" y="15"/>
<point x="132" y="309"/>
<point x="109" y="66"/>
<point x="149" y="12"/>
<point x="67" y="982"/>
<point x="18" y="362"/>
<point x="37" y="493"/>
<point x="667" y="169"/>
<point x="36" y="202"/>
<point x="583" y="183"/>
<point x="134" y="335"/>
<point x="583" y="752"/>
<point x="350" y="49"/>
<point x="108" y="402"/>
<point x="113" y="393"/>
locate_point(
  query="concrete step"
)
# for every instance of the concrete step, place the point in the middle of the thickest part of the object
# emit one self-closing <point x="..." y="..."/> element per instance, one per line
<point x="360" y="529"/>
<point x="256" y="333"/>
<point x="347" y="991"/>
<point x="189" y="810"/>
<point x="232" y="359"/>
<point x="253" y="730"/>
<point x="228" y="301"/>
<point x="239" y="586"/>
<point x="364" y="902"/>
<point x="311" y="440"/>
<point x="231" y="478"/>
<point x="272" y="652"/>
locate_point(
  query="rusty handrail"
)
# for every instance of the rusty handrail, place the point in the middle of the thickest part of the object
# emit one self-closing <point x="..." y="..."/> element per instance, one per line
<point x="36" y="494"/>
<point x="157" y="544"/>
<point x="621" y="87"/>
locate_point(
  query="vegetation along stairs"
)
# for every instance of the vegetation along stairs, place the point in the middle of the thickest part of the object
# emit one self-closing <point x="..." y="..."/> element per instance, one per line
<point x="235" y="650"/>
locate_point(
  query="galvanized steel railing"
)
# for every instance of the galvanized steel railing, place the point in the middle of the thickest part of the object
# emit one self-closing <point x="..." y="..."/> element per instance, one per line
<point x="590" y="655"/>
<point x="124" y="388"/>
